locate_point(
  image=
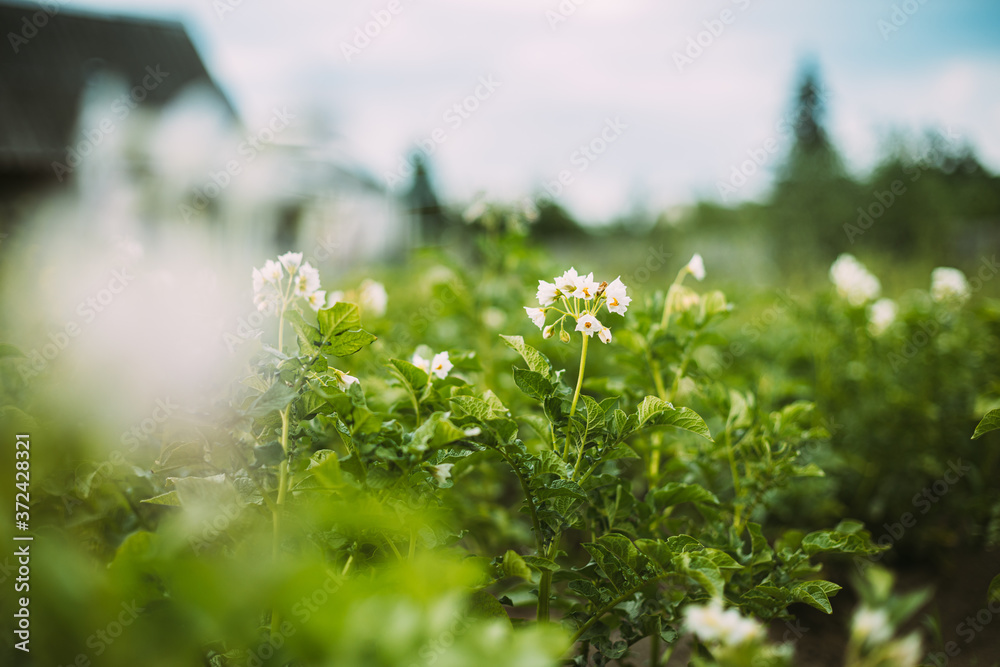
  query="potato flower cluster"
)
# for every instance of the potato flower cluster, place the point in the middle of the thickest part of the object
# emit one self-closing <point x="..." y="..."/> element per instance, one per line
<point x="579" y="298"/>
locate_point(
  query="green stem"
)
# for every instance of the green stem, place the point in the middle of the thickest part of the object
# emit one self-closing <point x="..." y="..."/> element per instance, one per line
<point x="654" y="650"/>
<point x="276" y="512"/>
<point x="736" y="481"/>
<point x="576" y="394"/>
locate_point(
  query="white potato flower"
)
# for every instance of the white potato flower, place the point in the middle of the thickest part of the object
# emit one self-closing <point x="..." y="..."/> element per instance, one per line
<point x="536" y="315"/>
<point x="871" y="626"/>
<point x="272" y="272"/>
<point x="906" y="652"/>
<point x="373" y="297"/>
<point x="618" y="301"/>
<point x="949" y="284"/>
<point x="317" y="300"/>
<point x="307" y="281"/>
<point x="713" y="623"/>
<point x="696" y="267"/>
<point x="586" y="288"/>
<point x="605" y="335"/>
<point x="442" y="472"/>
<point x="588" y="324"/>
<point x="853" y="281"/>
<point x="344" y="381"/>
<point x="441" y="364"/>
<point x="547" y="293"/>
<point x="335" y="297"/>
<point x="566" y="283"/>
<point x="291" y="261"/>
<point x="421" y="363"/>
<point x="881" y="315"/>
<point x="258" y="282"/>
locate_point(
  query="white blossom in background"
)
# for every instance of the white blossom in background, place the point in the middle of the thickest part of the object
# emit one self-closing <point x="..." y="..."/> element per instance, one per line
<point x="438" y="367"/>
<point x="421" y="363"/>
<point x="906" y="652"/>
<point x="696" y="267"/>
<point x="272" y="293"/>
<point x="871" y="626"/>
<point x="578" y="298"/>
<point x="291" y="261"/>
<point x="714" y="623"/>
<point x="881" y="315"/>
<point x="442" y="472"/>
<point x="949" y="284"/>
<point x="853" y="281"/>
<point x="441" y="365"/>
<point x="373" y="298"/>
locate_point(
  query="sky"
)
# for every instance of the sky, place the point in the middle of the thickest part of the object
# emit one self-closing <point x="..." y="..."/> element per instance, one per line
<point x="602" y="104"/>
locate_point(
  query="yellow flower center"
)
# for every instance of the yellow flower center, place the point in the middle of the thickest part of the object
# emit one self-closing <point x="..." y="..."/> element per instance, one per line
<point x="614" y="301"/>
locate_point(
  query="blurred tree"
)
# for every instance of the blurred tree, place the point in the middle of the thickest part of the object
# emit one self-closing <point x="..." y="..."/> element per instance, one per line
<point x="553" y="220"/>
<point x="813" y="195"/>
<point x="423" y="205"/>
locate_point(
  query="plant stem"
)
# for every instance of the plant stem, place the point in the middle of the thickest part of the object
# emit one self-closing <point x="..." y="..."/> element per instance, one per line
<point x="576" y="394"/>
<point x="276" y="512"/>
<point x="654" y="650"/>
<point x="736" y="481"/>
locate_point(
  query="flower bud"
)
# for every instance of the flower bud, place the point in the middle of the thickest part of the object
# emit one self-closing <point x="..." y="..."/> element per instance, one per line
<point x="564" y="336"/>
<point x="549" y="331"/>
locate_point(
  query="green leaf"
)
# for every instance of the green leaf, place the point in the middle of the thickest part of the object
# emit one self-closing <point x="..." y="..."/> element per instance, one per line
<point x="703" y="570"/>
<point x="815" y="593"/>
<point x="595" y="415"/>
<point x="482" y="409"/>
<point x="533" y="384"/>
<point x="622" y="424"/>
<point x="990" y="422"/>
<point x="169" y="498"/>
<point x="675" y="493"/>
<point x="277" y="396"/>
<point x="340" y="327"/>
<point x="762" y="552"/>
<point x="349" y="342"/>
<point x="657" y="551"/>
<point x="210" y="493"/>
<point x="620" y="574"/>
<point x="561" y="488"/>
<point x="412" y="376"/>
<point x="536" y="361"/>
<point x="514" y="566"/>
<point x="308" y="335"/>
<point x="683" y="543"/>
<point x="325" y="468"/>
<point x="8" y="350"/>
<point x="341" y="317"/>
<point x="484" y="606"/>
<point x="656" y="411"/>
<point x="540" y="564"/>
<point x="590" y="591"/>
<point x="993" y="592"/>
<point x="838" y="541"/>
<point x="436" y="432"/>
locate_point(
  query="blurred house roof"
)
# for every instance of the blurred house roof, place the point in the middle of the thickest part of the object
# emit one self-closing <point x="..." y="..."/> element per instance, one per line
<point x="44" y="72"/>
